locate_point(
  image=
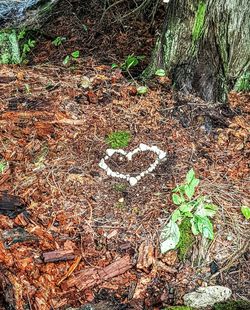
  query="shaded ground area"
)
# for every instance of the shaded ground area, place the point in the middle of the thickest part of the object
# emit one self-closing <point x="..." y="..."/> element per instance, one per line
<point x="54" y="121"/>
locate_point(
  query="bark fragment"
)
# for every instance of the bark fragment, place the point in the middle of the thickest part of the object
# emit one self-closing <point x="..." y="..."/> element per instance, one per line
<point x="58" y="255"/>
<point x="92" y="276"/>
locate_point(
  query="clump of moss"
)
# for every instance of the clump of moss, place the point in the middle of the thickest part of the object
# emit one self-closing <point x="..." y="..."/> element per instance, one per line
<point x="232" y="305"/>
<point x="198" y="22"/>
<point x="118" y="139"/>
<point x="120" y="187"/>
<point x="243" y="83"/>
<point x="186" y="239"/>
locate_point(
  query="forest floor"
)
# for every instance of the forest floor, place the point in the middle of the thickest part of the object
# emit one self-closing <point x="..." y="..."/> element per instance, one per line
<point x="54" y="121"/>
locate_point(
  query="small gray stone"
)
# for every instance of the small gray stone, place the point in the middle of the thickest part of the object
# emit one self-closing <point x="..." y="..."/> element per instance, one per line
<point x="207" y="296"/>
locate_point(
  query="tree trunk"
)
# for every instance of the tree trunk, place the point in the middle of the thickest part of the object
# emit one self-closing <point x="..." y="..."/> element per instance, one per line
<point x="205" y="46"/>
<point x="20" y="14"/>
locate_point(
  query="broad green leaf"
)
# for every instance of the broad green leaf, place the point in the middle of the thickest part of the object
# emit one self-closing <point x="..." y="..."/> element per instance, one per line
<point x="160" y="72"/>
<point x="113" y="66"/>
<point x="177" y="199"/>
<point x="66" y="60"/>
<point x="189" y="190"/>
<point x="179" y="189"/>
<point x="75" y="54"/>
<point x="141" y="90"/>
<point x="176" y="215"/>
<point x="210" y="209"/>
<point x="190" y="175"/>
<point x="206" y="210"/>
<point x="194" y="227"/>
<point x="169" y="237"/>
<point x="195" y="182"/>
<point x="204" y="226"/>
<point x="3" y="166"/>
<point x="246" y="212"/>
<point x="207" y="231"/>
<point x="188" y="214"/>
<point x="185" y="207"/>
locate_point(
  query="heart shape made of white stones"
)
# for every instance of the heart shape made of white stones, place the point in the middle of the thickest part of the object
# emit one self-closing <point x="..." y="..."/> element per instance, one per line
<point x="142" y="148"/>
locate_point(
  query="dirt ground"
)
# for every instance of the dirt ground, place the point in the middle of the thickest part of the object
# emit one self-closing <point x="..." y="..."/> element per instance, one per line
<point x="53" y="136"/>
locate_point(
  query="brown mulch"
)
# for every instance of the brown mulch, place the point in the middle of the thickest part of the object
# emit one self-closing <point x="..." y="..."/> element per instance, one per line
<point x="53" y="141"/>
<point x="101" y="234"/>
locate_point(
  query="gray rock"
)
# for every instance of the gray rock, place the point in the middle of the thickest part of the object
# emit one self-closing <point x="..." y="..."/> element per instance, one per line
<point x="207" y="296"/>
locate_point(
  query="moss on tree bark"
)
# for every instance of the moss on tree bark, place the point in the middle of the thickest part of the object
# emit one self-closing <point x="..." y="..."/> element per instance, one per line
<point x="205" y="46"/>
<point x="9" y="47"/>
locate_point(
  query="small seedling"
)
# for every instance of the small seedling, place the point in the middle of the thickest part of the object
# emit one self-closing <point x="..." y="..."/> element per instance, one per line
<point x="3" y="166"/>
<point x="131" y="61"/>
<point x="58" y="41"/>
<point x="73" y="56"/>
<point x="160" y="72"/>
<point x="197" y="209"/>
<point x="118" y="139"/>
<point x="246" y="212"/>
<point x="142" y="90"/>
<point x="21" y="35"/>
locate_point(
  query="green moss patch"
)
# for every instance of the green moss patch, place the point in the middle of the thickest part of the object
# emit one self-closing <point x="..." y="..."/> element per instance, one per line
<point x="118" y="139"/>
<point x="186" y="239"/>
<point x="243" y="83"/>
<point x="233" y="305"/>
<point x="198" y="22"/>
<point x="9" y="48"/>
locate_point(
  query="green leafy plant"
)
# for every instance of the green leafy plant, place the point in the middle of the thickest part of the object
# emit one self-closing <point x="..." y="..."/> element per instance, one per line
<point x="3" y="166"/>
<point x="26" y="44"/>
<point x="58" y="41"/>
<point x="197" y="210"/>
<point x="27" y="47"/>
<point x="131" y="61"/>
<point x="21" y="35"/>
<point x="246" y="212"/>
<point x="118" y="139"/>
<point x="73" y="56"/>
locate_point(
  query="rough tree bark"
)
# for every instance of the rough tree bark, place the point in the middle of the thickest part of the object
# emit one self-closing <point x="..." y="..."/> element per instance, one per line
<point x="17" y="14"/>
<point x="205" y="46"/>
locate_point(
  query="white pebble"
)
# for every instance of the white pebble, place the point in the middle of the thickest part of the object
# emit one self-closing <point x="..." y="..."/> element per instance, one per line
<point x="109" y="171"/>
<point x="103" y="165"/>
<point x="143" y="147"/>
<point x="151" y="168"/>
<point x="110" y="152"/>
<point x="129" y="156"/>
<point x="114" y="174"/>
<point x="162" y="155"/>
<point x="120" y="151"/>
<point x="155" y="149"/>
<point x="132" y="181"/>
<point x="138" y="178"/>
